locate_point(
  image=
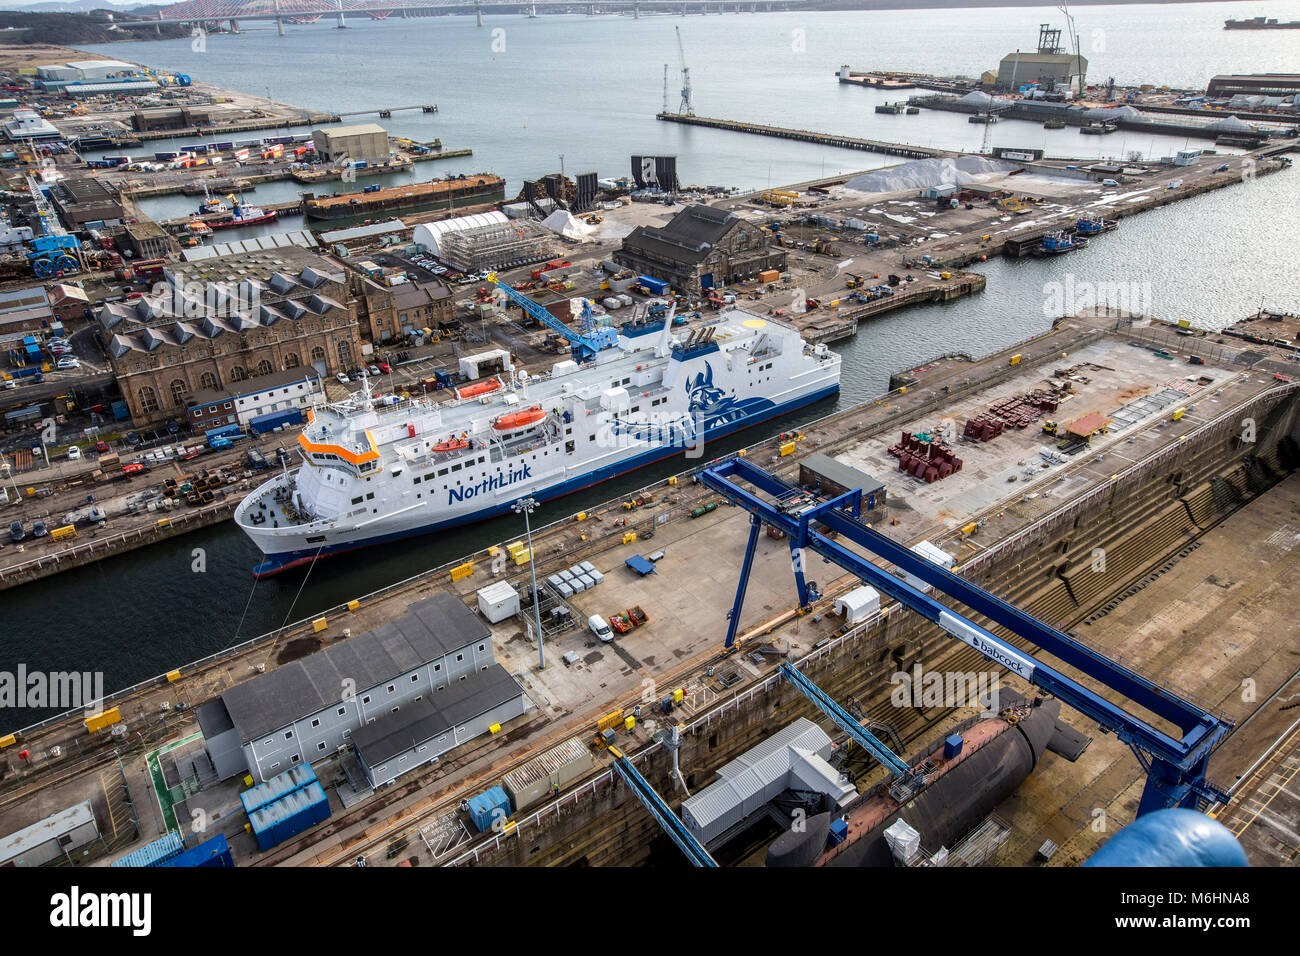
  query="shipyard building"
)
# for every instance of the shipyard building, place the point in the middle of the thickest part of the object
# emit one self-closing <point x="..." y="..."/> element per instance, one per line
<point x="1049" y="67"/>
<point x="700" y="248"/>
<point x="400" y="696"/>
<point x="487" y="240"/>
<point x="225" y="320"/>
<point x="364" y="142"/>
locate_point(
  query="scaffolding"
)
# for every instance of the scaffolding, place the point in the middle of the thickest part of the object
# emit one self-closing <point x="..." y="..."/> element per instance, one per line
<point x="497" y="246"/>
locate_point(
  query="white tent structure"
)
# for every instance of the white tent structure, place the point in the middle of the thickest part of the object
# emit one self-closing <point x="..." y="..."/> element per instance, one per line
<point x="429" y="234"/>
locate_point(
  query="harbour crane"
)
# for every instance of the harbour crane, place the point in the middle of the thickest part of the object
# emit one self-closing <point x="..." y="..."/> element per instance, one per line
<point x="586" y="343"/>
<point x="1074" y="38"/>
<point x="687" y="108"/>
<point x="54" y="251"/>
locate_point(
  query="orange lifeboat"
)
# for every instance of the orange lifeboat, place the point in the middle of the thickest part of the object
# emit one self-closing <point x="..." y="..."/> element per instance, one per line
<point x="479" y="388"/>
<point x="519" y="419"/>
<point x="455" y="444"/>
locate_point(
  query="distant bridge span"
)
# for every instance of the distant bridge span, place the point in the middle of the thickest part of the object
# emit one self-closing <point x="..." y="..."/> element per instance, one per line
<point x="309" y="11"/>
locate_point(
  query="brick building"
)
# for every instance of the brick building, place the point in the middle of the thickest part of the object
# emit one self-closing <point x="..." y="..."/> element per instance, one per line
<point x="700" y="248"/>
<point x="229" y="319"/>
<point x="386" y="313"/>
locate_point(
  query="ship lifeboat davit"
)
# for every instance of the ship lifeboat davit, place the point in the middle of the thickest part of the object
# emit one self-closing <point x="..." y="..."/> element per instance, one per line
<point x="520" y="419"/>
<point x="479" y="388"/>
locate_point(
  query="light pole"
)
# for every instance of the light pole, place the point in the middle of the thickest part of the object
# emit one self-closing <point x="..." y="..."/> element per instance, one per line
<point x="525" y="507"/>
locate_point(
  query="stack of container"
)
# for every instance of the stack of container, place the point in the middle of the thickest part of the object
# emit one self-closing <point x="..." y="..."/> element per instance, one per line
<point x="289" y="816"/>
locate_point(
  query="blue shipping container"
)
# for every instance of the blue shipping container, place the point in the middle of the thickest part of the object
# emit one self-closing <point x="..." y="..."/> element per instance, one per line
<point x="281" y="785"/>
<point x="488" y="807"/>
<point x="952" y="746"/>
<point x="657" y="286"/>
<point x="225" y="431"/>
<point x="213" y="852"/>
<point x="839" y="832"/>
<point x="120" y="411"/>
<point x="155" y="853"/>
<point x="289" y="816"/>
<point x="273" y="420"/>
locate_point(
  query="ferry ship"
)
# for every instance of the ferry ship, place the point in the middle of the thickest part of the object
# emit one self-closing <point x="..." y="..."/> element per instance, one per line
<point x="376" y="470"/>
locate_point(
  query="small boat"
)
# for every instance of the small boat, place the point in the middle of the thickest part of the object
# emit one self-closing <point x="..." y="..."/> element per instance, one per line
<point x="478" y="388"/>
<point x="891" y="108"/>
<point x="1093" y="225"/>
<point x="244" y="214"/>
<point x="982" y="118"/>
<point x="452" y="444"/>
<point x="211" y="204"/>
<point x="199" y="228"/>
<point x="1054" y="124"/>
<point x="1058" y="242"/>
<point x="512" y="421"/>
<point x="1098" y="129"/>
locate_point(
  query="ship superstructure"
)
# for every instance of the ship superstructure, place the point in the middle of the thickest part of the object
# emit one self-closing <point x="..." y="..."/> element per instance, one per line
<point x="375" y="470"/>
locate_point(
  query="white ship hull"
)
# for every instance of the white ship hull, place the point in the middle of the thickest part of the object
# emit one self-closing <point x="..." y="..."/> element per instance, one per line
<point x="386" y="478"/>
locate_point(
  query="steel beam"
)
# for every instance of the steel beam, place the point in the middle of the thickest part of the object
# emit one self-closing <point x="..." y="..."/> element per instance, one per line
<point x="665" y="817"/>
<point x="1177" y="765"/>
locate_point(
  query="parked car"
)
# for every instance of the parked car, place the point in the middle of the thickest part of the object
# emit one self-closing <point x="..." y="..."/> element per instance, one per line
<point x="385" y="368"/>
<point x="132" y="438"/>
<point x="74" y="453"/>
<point x="342" y="377"/>
<point x="68" y="363"/>
<point x="101" y="447"/>
<point x="1109" y="182"/>
<point x="597" y="626"/>
<point x="38" y="529"/>
<point x="16" y="532"/>
<point x="11" y="383"/>
<point x="374" y="370"/>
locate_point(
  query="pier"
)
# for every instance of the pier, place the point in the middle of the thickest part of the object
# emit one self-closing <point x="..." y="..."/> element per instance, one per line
<point x="809" y="136"/>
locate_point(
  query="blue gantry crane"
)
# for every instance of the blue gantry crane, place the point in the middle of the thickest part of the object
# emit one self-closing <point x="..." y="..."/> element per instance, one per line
<point x="1175" y="765"/>
<point x="54" y="251"/>
<point x="664" y="816"/>
<point x="586" y="343"/>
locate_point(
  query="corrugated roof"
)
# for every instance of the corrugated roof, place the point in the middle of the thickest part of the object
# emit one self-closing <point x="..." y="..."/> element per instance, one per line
<point x="302" y="237"/>
<point x="360" y="232"/>
<point x="541" y="767"/>
<point x="432" y="628"/>
<point x="151" y="854"/>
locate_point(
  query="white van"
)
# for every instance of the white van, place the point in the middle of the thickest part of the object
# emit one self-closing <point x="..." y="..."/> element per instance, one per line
<point x="598" y="627"/>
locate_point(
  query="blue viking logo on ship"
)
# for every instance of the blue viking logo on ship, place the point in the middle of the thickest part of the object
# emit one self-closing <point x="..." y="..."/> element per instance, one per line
<point x="709" y="405"/>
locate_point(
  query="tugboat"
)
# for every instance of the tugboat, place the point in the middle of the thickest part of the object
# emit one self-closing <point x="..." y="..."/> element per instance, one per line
<point x="211" y="204"/>
<point x="244" y="214"/>
<point x="1093" y="225"/>
<point x="1056" y="243"/>
<point x="1054" y="124"/>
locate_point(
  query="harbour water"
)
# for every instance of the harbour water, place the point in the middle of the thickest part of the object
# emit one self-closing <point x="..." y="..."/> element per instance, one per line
<point x="566" y="85"/>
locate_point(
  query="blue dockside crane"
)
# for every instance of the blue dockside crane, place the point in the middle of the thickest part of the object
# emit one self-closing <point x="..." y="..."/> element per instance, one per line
<point x="1175" y="766"/>
<point x="53" y="252"/>
<point x="586" y="343"/>
<point x="665" y="817"/>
